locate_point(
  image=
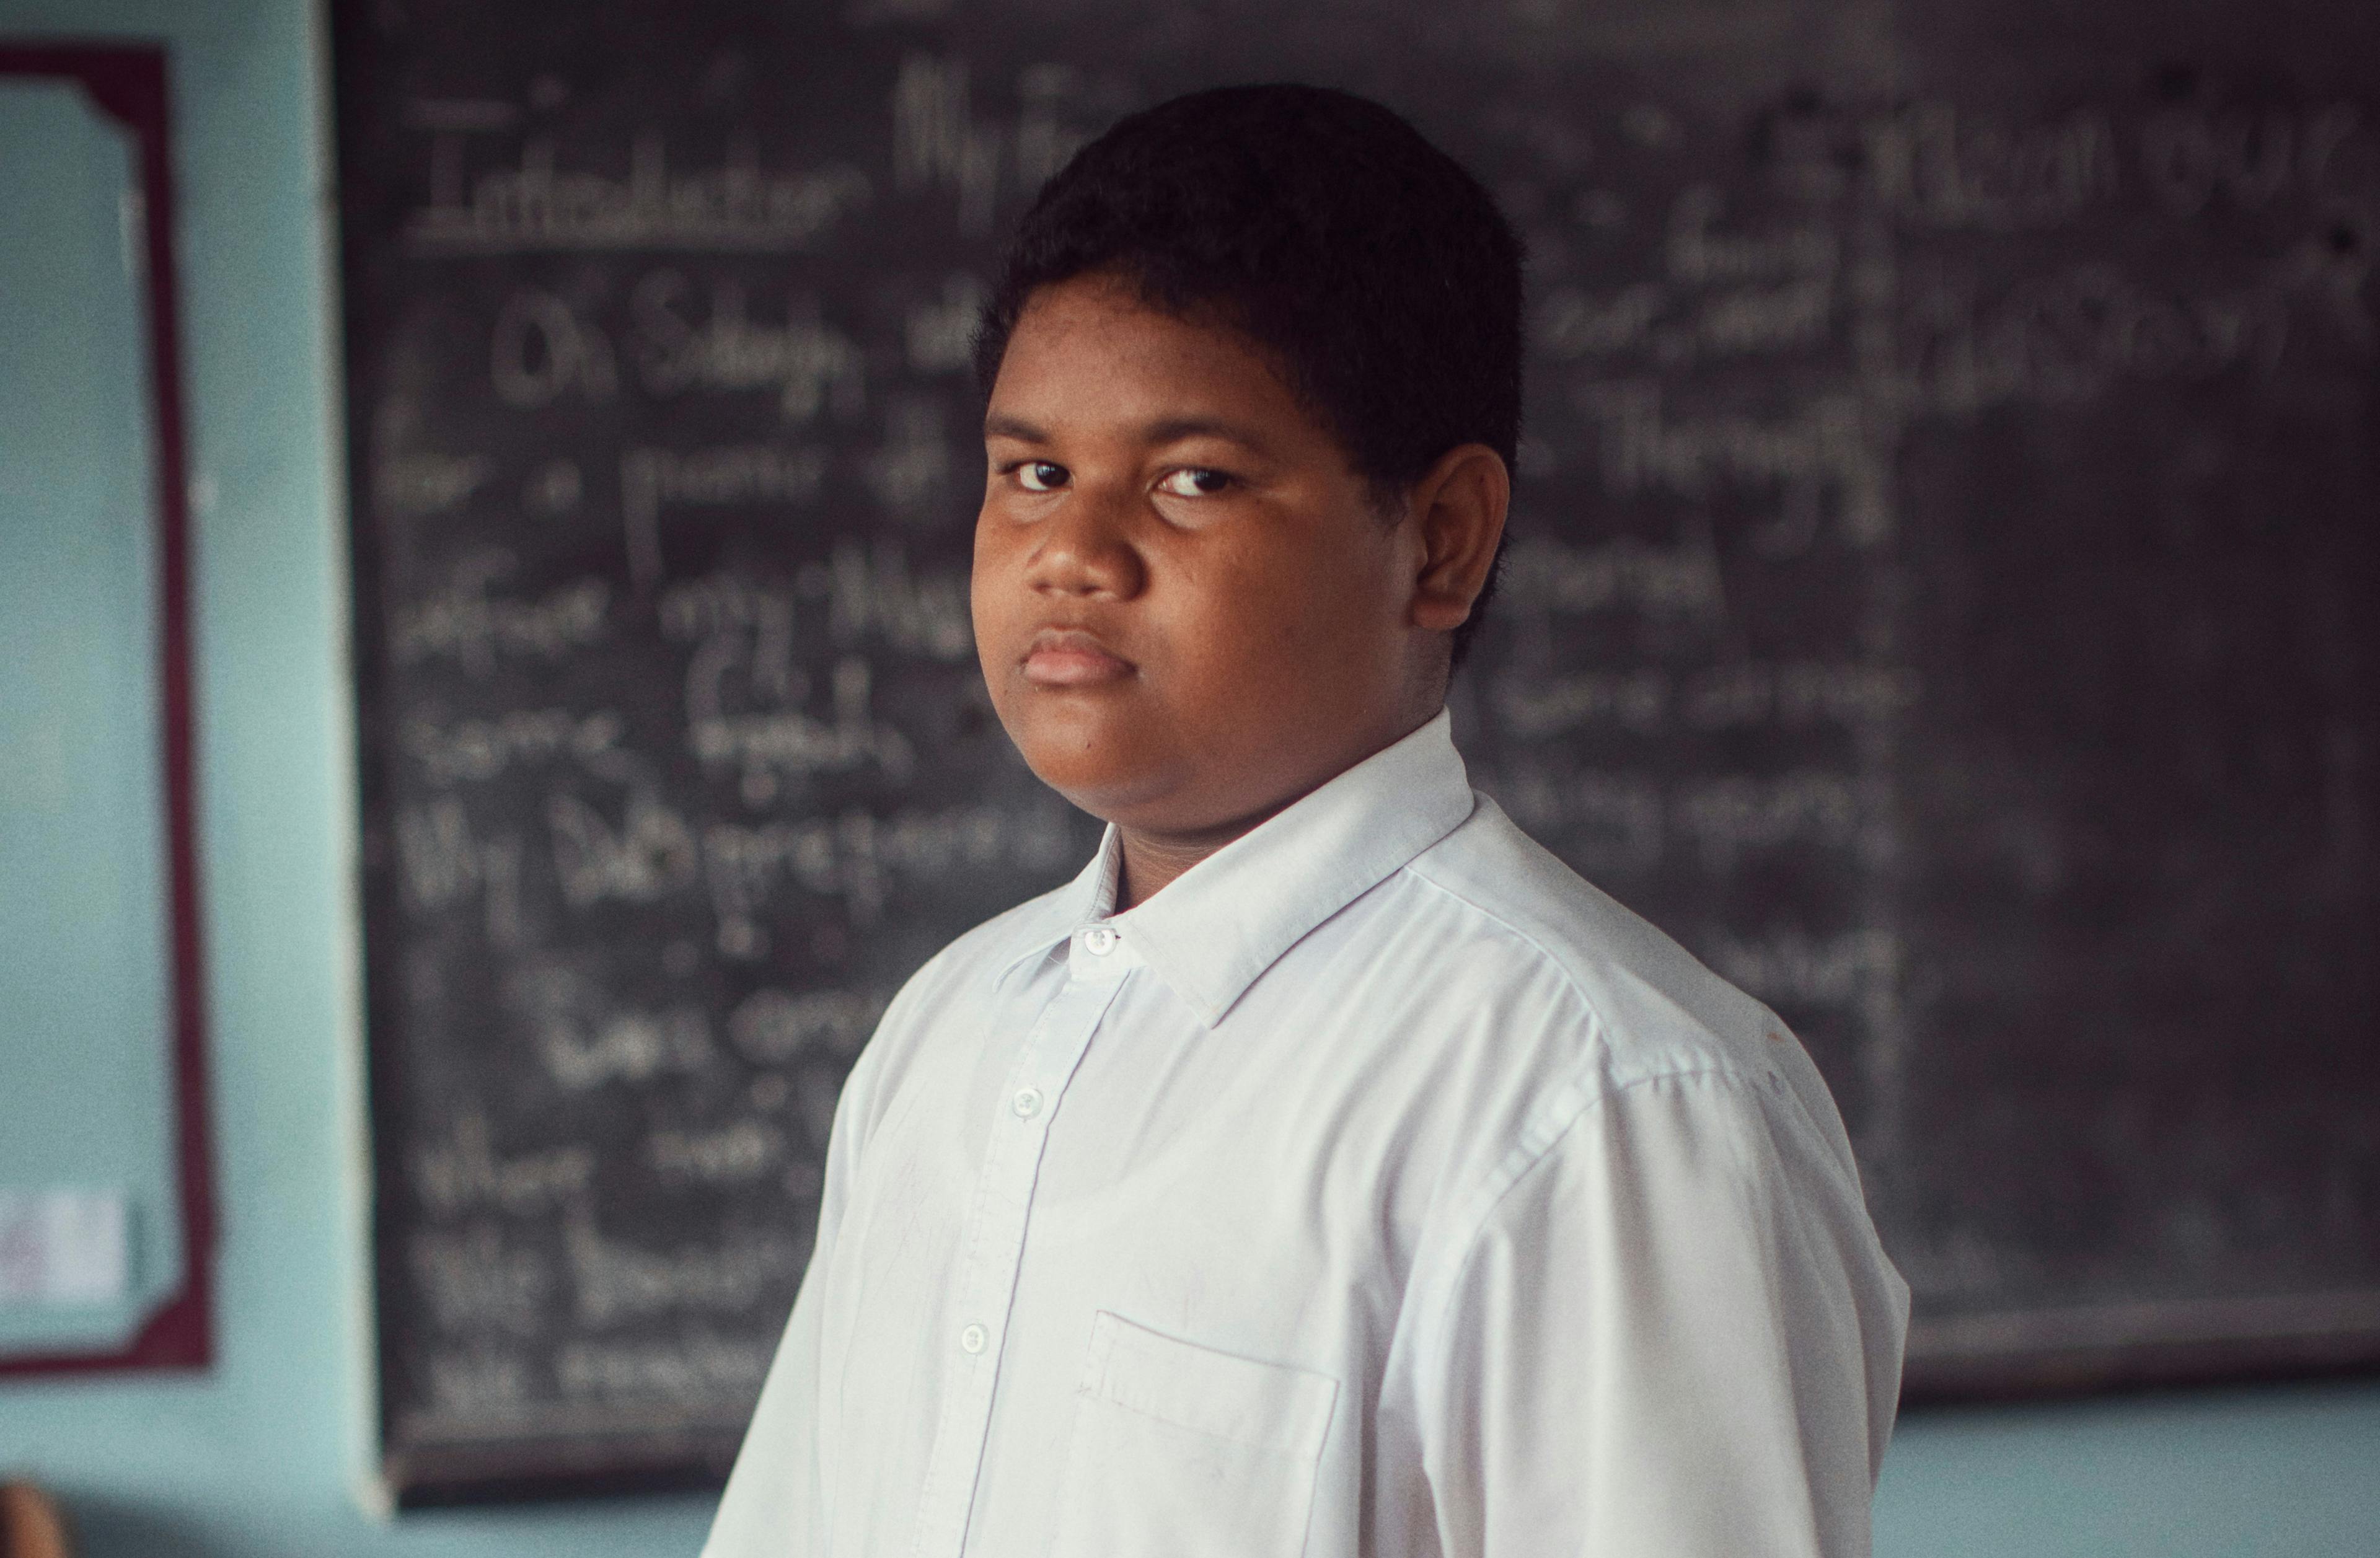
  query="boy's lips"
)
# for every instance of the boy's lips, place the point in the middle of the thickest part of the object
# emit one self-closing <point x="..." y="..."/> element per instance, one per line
<point x="1070" y="657"/>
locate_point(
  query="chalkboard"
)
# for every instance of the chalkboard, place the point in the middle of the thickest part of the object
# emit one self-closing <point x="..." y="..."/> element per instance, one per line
<point x="1940" y="594"/>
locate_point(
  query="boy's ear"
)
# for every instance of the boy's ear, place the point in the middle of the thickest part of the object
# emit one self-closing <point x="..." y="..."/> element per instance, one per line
<point x="1460" y="503"/>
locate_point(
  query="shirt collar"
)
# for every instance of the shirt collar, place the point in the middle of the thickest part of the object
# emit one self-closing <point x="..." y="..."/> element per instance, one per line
<point x="1219" y="925"/>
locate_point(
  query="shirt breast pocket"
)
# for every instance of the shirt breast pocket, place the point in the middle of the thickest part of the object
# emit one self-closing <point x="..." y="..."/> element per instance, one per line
<point x="1179" y="1451"/>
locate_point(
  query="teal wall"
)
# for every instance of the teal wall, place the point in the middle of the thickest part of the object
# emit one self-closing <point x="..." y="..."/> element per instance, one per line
<point x="87" y="1100"/>
<point x="261" y="1455"/>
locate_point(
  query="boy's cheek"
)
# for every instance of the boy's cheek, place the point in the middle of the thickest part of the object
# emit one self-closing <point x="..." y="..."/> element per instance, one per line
<point x="992" y="595"/>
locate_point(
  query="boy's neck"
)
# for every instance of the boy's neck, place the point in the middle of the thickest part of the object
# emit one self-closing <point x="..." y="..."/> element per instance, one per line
<point x="1152" y="859"/>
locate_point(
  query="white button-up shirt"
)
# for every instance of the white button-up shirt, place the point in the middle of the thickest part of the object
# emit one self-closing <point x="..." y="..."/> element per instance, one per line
<point x="1377" y="1188"/>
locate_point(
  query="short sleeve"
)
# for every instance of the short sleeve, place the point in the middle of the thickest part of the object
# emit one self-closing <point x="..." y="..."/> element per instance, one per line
<point x="1673" y="1333"/>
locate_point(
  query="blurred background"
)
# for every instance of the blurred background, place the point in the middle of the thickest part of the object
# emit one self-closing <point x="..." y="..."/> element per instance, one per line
<point x="1940" y="595"/>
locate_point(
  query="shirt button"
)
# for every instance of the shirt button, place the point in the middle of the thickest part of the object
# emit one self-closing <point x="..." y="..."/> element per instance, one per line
<point x="1026" y="1104"/>
<point x="973" y="1338"/>
<point x="1098" y="940"/>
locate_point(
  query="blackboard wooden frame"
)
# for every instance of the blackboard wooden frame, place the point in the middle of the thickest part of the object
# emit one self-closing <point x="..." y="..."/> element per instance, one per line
<point x="129" y="83"/>
<point x="2083" y="1351"/>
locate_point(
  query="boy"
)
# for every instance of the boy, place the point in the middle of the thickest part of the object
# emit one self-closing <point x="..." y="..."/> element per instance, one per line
<point x="1327" y="1170"/>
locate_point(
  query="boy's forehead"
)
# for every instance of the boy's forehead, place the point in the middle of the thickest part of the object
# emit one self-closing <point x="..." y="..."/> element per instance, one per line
<point x="1093" y="350"/>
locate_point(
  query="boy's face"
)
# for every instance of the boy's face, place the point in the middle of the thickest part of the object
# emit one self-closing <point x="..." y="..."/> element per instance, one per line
<point x="1189" y="610"/>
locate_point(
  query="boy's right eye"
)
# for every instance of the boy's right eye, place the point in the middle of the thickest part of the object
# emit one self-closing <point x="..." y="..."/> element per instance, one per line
<point x="1040" y="476"/>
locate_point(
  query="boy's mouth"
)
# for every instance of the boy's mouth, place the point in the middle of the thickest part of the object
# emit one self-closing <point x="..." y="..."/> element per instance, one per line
<point x="1070" y="657"/>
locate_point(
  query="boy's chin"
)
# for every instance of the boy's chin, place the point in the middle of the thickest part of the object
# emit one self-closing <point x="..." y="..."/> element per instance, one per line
<point x="1092" y="781"/>
<point x="1116" y="780"/>
<point x="1151" y="772"/>
<point x="1082" y="748"/>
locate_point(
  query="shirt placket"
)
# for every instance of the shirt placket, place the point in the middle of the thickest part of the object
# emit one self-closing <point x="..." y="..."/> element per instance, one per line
<point x="986" y="1283"/>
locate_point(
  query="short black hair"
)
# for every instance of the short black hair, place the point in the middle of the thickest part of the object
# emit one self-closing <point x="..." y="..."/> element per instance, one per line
<point x="1376" y="272"/>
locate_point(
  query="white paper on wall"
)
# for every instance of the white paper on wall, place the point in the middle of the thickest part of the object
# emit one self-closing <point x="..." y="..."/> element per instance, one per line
<point x="62" y="1248"/>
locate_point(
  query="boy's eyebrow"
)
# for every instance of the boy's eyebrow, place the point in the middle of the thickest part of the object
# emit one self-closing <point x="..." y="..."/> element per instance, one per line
<point x="1011" y="427"/>
<point x="1173" y="430"/>
<point x="1170" y="430"/>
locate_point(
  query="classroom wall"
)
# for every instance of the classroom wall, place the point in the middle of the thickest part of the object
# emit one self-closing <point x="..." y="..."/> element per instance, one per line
<point x="261" y="1455"/>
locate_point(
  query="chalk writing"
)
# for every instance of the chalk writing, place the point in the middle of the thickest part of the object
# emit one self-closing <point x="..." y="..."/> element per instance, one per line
<point x="1728" y="816"/>
<point x="2070" y="337"/>
<point x="870" y="599"/>
<point x="1931" y="163"/>
<point x="855" y="856"/>
<point x="1797" y="693"/>
<point x="734" y="1153"/>
<point x="478" y="1282"/>
<point x="772" y="1027"/>
<point x="1681" y="581"/>
<point x="1788" y="317"/>
<point x="2249" y="158"/>
<point x="1782" y="317"/>
<point x="1624" y="822"/>
<point x="1572" y="322"/>
<point x="477" y="1380"/>
<point x="1823" y="447"/>
<point x="776" y="747"/>
<point x="614" y="1280"/>
<point x="807" y="363"/>
<point x="699" y="608"/>
<point x="740" y="474"/>
<point x="416" y="486"/>
<point x="939" y="143"/>
<point x="462" y="622"/>
<point x="465" y="1170"/>
<point x="1534" y="706"/>
<point x="859" y="858"/>
<point x="694" y="1366"/>
<point x="1606" y="821"/>
<point x="1792" y="966"/>
<point x="584" y="1042"/>
<point x="471" y="751"/>
<point x="651" y="852"/>
<point x="1700" y="256"/>
<point x="442" y="861"/>
<point x="542" y="205"/>
<point x="873" y="596"/>
<point x="541" y="351"/>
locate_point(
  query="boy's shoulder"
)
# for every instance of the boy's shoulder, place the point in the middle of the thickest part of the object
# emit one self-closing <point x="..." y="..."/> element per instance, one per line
<point x="1655" y="1008"/>
<point x="1646" y="1007"/>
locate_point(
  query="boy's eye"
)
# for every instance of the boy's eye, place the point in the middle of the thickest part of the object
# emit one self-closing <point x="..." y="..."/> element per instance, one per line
<point x="1194" y="482"/>
<point x="1040" y="476"/>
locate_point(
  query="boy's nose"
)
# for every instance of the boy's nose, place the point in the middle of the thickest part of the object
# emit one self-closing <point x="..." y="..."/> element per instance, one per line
<point x="1087" y="549"/>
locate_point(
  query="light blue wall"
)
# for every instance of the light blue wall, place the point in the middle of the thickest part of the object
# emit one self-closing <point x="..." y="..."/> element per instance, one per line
<point x="87" y="1103"/>
<point x="258" y="1457"/>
